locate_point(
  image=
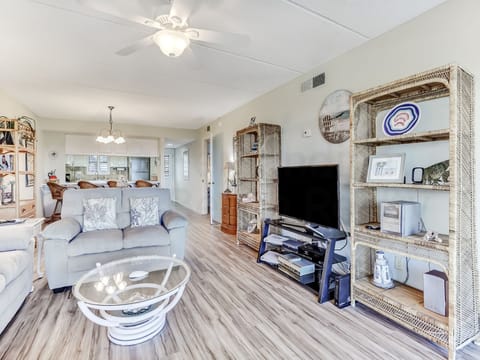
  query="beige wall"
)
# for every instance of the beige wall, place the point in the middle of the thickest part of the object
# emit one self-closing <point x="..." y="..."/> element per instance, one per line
<point x="438" y="37"/>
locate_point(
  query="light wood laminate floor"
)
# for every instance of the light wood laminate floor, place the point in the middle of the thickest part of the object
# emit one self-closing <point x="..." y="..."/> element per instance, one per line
<point x="233" y="308"/>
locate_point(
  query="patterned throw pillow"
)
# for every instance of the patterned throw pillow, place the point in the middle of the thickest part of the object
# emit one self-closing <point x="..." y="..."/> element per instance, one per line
<point x="144" y="211"/>
<point x="99" y="214"/>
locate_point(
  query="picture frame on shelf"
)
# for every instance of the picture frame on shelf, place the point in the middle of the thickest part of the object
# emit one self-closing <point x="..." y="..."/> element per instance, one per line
<point x="386" y="168"/>
<point x="7" y="162"/>
<point x="29" y="178"/>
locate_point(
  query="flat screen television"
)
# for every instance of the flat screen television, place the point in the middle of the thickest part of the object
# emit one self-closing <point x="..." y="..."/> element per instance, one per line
<point x="309" y="193"/>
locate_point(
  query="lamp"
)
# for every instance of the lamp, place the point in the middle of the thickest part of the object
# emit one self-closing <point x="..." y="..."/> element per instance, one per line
<point x="171" y="42"/>
<point x="108" y="135"/>
<point x="231" y="178"/>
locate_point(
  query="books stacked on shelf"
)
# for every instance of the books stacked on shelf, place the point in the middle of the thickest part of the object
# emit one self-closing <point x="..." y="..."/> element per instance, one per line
<point x="275" y="239"/>
<point x="297" y="267"/>
<point x="292" y="244"/>
<point x="270" y="257"/>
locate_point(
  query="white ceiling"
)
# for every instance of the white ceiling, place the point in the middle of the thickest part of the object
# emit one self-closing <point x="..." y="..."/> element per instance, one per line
<point x="57" y="57"/>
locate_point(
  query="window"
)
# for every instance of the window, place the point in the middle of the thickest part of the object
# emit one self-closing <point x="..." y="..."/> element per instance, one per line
<point x="98" y="164"/>
<point x="166" y="165"/>
<point x="185" y="165"/>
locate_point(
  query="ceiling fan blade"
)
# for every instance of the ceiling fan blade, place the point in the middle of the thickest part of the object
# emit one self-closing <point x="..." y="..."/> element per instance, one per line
<point x="217" y="37"/>
<point x="105" y="8"/>
<point x="181" y="10"/>
<point x="137" y="45"/>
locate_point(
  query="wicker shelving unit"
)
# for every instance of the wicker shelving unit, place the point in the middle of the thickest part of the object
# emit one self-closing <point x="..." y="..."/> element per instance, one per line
<point x="457" y="255"/>
<point x="258" y="157"/>
<point x="17" y="171"/>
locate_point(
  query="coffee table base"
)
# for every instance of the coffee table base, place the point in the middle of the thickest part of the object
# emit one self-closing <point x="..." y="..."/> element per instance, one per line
<point x="136" y="334"/>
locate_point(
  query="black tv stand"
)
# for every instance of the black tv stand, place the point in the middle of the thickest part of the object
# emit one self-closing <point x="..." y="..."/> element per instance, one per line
<point x="316" y="233"/>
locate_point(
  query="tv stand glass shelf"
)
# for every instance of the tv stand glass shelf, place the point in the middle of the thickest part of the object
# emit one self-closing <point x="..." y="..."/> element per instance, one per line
<point x="321" y="252"/>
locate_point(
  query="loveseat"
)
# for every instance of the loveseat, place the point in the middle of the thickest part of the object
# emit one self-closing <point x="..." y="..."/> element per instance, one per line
<point x="106" y="224"/>
<point x="16" y="271"/>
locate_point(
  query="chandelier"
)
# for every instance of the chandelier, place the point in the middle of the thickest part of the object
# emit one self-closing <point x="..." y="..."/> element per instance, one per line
<point x="108" y="135"/>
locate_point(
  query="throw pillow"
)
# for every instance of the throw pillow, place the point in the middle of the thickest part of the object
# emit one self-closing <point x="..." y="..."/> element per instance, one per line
<point x="144" y="211"/>
<point x="99" y="214"/>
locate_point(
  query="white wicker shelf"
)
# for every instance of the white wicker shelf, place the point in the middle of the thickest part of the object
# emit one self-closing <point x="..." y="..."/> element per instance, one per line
<point x="257" y="175"/>
<point x="402" y="186"/>
<point x="18" y="189"/>
<point x="413" y="246"/>
<point x="427" y="136"/>
<point x="458" y="254"/>
<point x="405" y="305"/>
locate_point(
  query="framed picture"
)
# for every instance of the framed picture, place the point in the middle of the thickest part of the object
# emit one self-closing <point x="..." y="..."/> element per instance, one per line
<point x="29" y="180"/>
<point x="386" y="168"/>
<point x="7" y="162"/>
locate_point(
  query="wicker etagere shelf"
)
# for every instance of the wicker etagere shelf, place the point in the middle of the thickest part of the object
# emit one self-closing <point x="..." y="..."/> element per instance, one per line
<point x="457" y="255"/>
<point x="17" y="169"/>
<point x="258" y="157"/>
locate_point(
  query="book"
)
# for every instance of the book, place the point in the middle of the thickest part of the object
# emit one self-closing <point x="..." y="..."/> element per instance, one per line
<point x="275" y="239"/>
<point x="292" y="244"/>
<point x="304" y="279"/>
<point x="270" y="257"/>
<point x="297" y="264"/>
<point x="11" y="221"/>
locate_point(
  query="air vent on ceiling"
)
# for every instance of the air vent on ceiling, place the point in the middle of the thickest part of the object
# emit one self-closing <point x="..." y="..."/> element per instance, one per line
<point x="208" y="128"/>
<point x="313" y="82"/>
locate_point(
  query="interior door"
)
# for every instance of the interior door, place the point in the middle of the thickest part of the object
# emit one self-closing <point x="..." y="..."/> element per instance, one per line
<point x="216" y="153"/>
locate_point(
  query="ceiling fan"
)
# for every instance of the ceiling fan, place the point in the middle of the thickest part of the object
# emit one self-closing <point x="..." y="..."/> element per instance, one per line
<point x="173" y="33"/>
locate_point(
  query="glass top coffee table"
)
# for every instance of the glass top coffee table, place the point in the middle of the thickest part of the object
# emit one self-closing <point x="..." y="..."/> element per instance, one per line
<point x="132" y="296"/>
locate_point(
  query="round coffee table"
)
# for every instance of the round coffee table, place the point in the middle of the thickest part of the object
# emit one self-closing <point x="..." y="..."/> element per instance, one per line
<point x="132" y="296"/>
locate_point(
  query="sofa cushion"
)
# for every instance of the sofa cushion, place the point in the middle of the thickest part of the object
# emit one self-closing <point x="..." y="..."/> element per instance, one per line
<point x="92" y="242"/>
<point x="99" y="214"/>
<point x="12" y="264"/>
<point x="154" y="235"/>
<point x="64" y="229"/>
<point x="144" y="211"/>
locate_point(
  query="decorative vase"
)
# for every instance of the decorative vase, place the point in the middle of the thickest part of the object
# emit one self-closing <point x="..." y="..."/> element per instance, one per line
<point x="381" y="275"/>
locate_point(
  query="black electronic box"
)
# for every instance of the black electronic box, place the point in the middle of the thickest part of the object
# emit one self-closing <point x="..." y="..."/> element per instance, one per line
<point x="342" y="290"/>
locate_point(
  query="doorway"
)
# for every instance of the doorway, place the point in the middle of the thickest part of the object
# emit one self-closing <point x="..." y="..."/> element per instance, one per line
<point x="214" y="173"/>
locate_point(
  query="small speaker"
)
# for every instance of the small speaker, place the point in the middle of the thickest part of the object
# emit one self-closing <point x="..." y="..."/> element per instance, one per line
<point x="435" y="292"/>
<point x="342" y="290"/>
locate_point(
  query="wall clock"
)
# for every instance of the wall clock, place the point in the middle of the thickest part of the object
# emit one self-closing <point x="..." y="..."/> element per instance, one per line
<point x="334" y="118"/>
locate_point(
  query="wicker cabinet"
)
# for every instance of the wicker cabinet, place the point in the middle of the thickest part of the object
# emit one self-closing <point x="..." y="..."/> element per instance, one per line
<point x="258" y="157"/>
<point x="17" y="168"/>
<point x="457" y="255"/>
<point x="229" y="213"/>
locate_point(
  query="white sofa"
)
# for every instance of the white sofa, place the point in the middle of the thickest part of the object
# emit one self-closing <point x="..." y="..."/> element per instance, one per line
<point x="16" y="271"/>
<point x="71" y="252"/>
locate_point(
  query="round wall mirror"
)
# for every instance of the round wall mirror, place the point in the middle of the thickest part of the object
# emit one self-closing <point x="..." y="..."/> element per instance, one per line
<point x="334" y="118"/>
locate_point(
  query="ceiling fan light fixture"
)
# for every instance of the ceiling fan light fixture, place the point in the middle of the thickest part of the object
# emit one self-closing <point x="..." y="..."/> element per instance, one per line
<point x="108" y="136"/>
<point x="172" y="43"/>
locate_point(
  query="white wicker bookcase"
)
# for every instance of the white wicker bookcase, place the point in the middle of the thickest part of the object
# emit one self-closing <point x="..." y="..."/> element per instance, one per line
<point x="258" y="157"/>
<point x="17" y="180"/>
<point x="458" y="254"/>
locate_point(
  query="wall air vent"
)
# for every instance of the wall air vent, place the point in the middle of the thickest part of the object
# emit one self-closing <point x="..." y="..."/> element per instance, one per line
<point x="313" y="82"/>
<point x="208" y="128"/>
